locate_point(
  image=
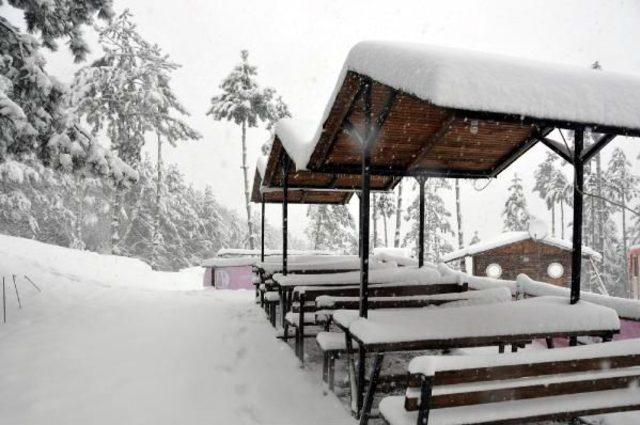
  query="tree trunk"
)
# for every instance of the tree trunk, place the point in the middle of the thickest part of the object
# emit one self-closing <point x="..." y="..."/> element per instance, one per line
<point x="601" y="215"/>
<point x="79" y="212"/>
<point x="375" y="221"/>
<point x="156" y="222"/>
<point x="561" y="219"/>
<point x="115" y="221"/>
<point x="396" y="236"/>
<point x="553" y="219"/>
<point x="459" y="215"/>
<point x="245" y="170"/>
<point x="386" y="233"/>
<point x="624" y="243"/>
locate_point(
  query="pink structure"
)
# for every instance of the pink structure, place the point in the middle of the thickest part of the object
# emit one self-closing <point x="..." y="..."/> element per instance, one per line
<point x="229" y="277"/>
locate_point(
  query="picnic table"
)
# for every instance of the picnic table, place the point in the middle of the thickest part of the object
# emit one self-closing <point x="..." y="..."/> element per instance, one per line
<point x="513" y="323"/>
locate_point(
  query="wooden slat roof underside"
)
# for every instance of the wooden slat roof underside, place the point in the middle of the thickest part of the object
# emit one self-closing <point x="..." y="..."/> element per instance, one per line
<point x="417" y="137"/>
<point x="308" y="179"/>
<point x="297" y="196"/>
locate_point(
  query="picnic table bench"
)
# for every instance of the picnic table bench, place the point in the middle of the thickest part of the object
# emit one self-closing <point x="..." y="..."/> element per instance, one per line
<point x="513" y="323"/>
<point x="402" y="295"/>
<point x="559" y="384"/>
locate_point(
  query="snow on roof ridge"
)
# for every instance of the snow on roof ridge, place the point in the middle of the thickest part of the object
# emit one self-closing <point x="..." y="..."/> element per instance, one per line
<point x="298" y="139"/>
<point x="508" y="238"/>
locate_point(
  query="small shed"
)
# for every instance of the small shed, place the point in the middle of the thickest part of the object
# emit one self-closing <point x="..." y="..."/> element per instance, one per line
<point x="547" y="259"/>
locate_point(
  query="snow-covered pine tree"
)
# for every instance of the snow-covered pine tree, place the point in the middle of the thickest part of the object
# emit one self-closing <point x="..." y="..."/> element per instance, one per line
<point x="515" y="214"/>
<point x="386" y="208"/>
<point x="437" y="229"/>
<point x="543" y="177"/>
<point x="127" y="93"/>
<point x="331" y="227"/>
<point x="475" y="238"/>
<point x="459" y="214"/>
<point x="245" y="103"/>
<point x="622" y="186"/>
<point x="35" y="123"/>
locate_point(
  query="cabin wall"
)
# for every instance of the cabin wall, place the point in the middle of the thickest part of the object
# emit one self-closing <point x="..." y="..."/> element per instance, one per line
<point x="527" y="257"/>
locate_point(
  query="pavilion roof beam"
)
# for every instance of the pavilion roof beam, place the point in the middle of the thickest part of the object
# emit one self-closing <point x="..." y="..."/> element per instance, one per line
<point x="520" y="150"/>
<point x="332" y="139"/>
<point x="593" y="150"/>
<point x="433" y="140"/>
<point x="557" y="147"/>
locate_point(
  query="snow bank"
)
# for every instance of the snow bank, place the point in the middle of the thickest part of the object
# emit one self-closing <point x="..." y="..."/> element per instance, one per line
<point x="39" y="261"/>
<point x="626" y="309"/>
<point x="509" y="238"/>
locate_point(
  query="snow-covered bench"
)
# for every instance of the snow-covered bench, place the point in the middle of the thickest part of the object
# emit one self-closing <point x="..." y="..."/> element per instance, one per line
<point x="512" y="323"/>
<point x="559" y="384"/>
<point x="402" y="295"/>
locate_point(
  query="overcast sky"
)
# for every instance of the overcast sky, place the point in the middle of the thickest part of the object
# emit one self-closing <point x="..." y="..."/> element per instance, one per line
<point x="299" y="48"/>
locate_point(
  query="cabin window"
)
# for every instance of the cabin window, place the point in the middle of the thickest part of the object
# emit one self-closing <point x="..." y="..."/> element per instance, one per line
<point x="555" y="270"/>
<point x="493" y="270"/>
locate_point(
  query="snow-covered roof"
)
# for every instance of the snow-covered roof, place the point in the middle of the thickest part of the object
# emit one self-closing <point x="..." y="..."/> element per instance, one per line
<point x="509" y="238"/>
<point x="297" y="138"/>
<point x="261" y="165"/>
<point x="485" y="82"/>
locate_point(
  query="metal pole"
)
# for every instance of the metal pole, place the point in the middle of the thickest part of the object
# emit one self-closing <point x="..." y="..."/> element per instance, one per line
<point x="364" y="209"/>
<point x="285" y="213"/>
<point x="576" y="258"/>
<point x="4" y="303"/>
<point x="359" y="223"/>
<point x="421" y="181"/>
<point x="262" y="232"/>
<point x="15" y="286"/>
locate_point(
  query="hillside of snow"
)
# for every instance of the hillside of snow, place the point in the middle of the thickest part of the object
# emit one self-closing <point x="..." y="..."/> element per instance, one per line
<point x="109" y="341"/>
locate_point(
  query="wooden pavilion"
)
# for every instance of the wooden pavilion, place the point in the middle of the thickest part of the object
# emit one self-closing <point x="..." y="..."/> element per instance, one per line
<point x="414" y="110"/>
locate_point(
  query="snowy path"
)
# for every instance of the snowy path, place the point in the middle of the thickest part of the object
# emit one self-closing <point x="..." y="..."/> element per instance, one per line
<point x="81" y="353"/>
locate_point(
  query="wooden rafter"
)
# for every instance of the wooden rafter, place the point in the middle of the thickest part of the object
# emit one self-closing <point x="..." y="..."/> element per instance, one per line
<point x="432" y="141"/>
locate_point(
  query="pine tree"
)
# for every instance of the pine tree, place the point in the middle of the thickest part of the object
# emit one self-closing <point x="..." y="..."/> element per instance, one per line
<point x="516" y="217"/>
<point x="475" y="238"/>
<point x="386" y="208"/>
<point x="437" y="229"/>
<point x="459" y="214"/>
<point x="621" y="185"/>
<point x="331" y="227"/>
<point x="35" y="121"/>
<point x="246" y="104"/>
<point x="543" y="177"/>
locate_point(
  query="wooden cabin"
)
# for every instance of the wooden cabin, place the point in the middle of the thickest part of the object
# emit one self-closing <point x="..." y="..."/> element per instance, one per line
<point x="504" y="257"/>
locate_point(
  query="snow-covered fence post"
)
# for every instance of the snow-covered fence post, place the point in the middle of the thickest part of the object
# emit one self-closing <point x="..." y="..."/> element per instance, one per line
<point x="16" y="288"/>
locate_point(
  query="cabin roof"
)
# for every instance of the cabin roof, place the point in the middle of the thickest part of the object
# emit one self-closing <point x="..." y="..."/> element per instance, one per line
<point x="510" y="238"/>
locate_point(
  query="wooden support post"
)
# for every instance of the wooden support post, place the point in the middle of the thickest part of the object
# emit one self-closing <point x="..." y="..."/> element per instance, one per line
<point x="421" y="181"/>
<point x="362" y="359"/>
<point x="425" y="399"/>
<point x="576" y="257"/>
<point x="262" y="232"/>
<point x="365" y="204"/>
<point x="359" y="194"/>
<point x="285" y="214"/>
<point x="371" y="389"/>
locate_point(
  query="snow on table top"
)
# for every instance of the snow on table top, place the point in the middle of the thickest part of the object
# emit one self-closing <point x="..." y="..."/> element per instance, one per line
<point x="509" y="238"/>
<point x="232" y="252"/>
<point x="487" y="296"/>
<point x="396" y="255"/>
<point x="530" y="316"/>
<point x="626" y="308"/>
<point x="392" y="408"/>
<point x="429" y="365"/>
<point x="318" y="265"/>
<point x="376" y="275"/>
<point x="229" y="262"/>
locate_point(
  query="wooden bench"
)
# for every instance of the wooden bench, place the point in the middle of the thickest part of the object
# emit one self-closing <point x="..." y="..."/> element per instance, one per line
<point x="382" y="296"/>
<point x="558" y="384"/>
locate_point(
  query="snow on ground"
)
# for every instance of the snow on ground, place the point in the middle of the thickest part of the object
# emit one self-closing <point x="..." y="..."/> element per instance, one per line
<point x="109" y="341"/>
